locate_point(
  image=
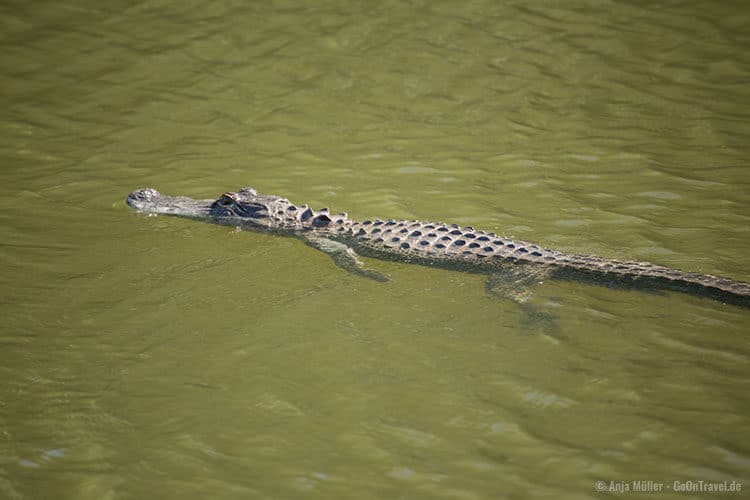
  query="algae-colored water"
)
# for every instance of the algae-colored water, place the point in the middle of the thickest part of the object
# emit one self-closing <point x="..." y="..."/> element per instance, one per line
<point x="154" y="357"/>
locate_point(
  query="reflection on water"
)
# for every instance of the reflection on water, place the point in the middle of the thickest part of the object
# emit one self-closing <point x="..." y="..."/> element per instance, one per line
<point x="155" y="357"/>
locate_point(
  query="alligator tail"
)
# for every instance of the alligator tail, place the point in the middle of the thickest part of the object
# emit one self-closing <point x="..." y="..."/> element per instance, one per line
<point x="647" y="275"/>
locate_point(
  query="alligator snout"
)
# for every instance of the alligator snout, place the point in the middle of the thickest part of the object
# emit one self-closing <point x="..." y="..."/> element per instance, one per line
<point x="151" y="201"/>
<point x="145" y="194"/>
<point x="142" y="197"/>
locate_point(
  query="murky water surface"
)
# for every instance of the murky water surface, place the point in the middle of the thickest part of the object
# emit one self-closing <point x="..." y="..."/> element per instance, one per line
<point x="153" y="357"/>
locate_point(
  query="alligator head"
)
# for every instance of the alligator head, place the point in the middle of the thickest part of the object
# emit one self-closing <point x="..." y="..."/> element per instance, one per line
<point x="245" y="206"/>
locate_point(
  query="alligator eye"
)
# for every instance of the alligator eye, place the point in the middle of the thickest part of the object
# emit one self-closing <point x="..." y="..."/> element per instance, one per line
<point x="225" y="201"/>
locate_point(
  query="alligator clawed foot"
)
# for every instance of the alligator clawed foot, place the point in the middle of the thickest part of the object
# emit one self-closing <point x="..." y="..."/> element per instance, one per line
<point x="534" y="319"/>
<point x="374" y="275"/>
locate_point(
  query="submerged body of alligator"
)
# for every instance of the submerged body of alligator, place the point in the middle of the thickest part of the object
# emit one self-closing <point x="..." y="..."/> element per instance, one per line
<point x="430" y="243"/>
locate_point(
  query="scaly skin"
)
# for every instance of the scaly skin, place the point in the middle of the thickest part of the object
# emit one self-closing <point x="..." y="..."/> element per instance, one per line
<point x="432" y="243"/>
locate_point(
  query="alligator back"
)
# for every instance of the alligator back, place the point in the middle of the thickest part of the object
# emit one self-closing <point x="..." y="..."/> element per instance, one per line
<point x="454" y="246"/>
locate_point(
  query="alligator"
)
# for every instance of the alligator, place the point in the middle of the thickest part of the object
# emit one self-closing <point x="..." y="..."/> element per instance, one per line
<point x="514" y="265"/>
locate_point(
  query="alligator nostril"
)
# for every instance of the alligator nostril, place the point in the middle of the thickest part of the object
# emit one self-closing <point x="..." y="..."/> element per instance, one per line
<point x="143" y="194"/>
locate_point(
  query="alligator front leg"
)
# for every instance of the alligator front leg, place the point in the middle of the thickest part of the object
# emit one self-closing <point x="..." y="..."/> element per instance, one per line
<point x="344" y="256"/>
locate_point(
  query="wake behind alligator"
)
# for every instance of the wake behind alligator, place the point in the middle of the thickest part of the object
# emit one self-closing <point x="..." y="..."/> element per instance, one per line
<point x="431" y="243"/>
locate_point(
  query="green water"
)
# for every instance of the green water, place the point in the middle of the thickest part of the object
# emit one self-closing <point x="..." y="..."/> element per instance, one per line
<point x="153" y="357"/>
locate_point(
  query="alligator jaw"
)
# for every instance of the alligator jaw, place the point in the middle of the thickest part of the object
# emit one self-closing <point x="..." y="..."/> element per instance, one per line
<point x="153" y="202"/>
